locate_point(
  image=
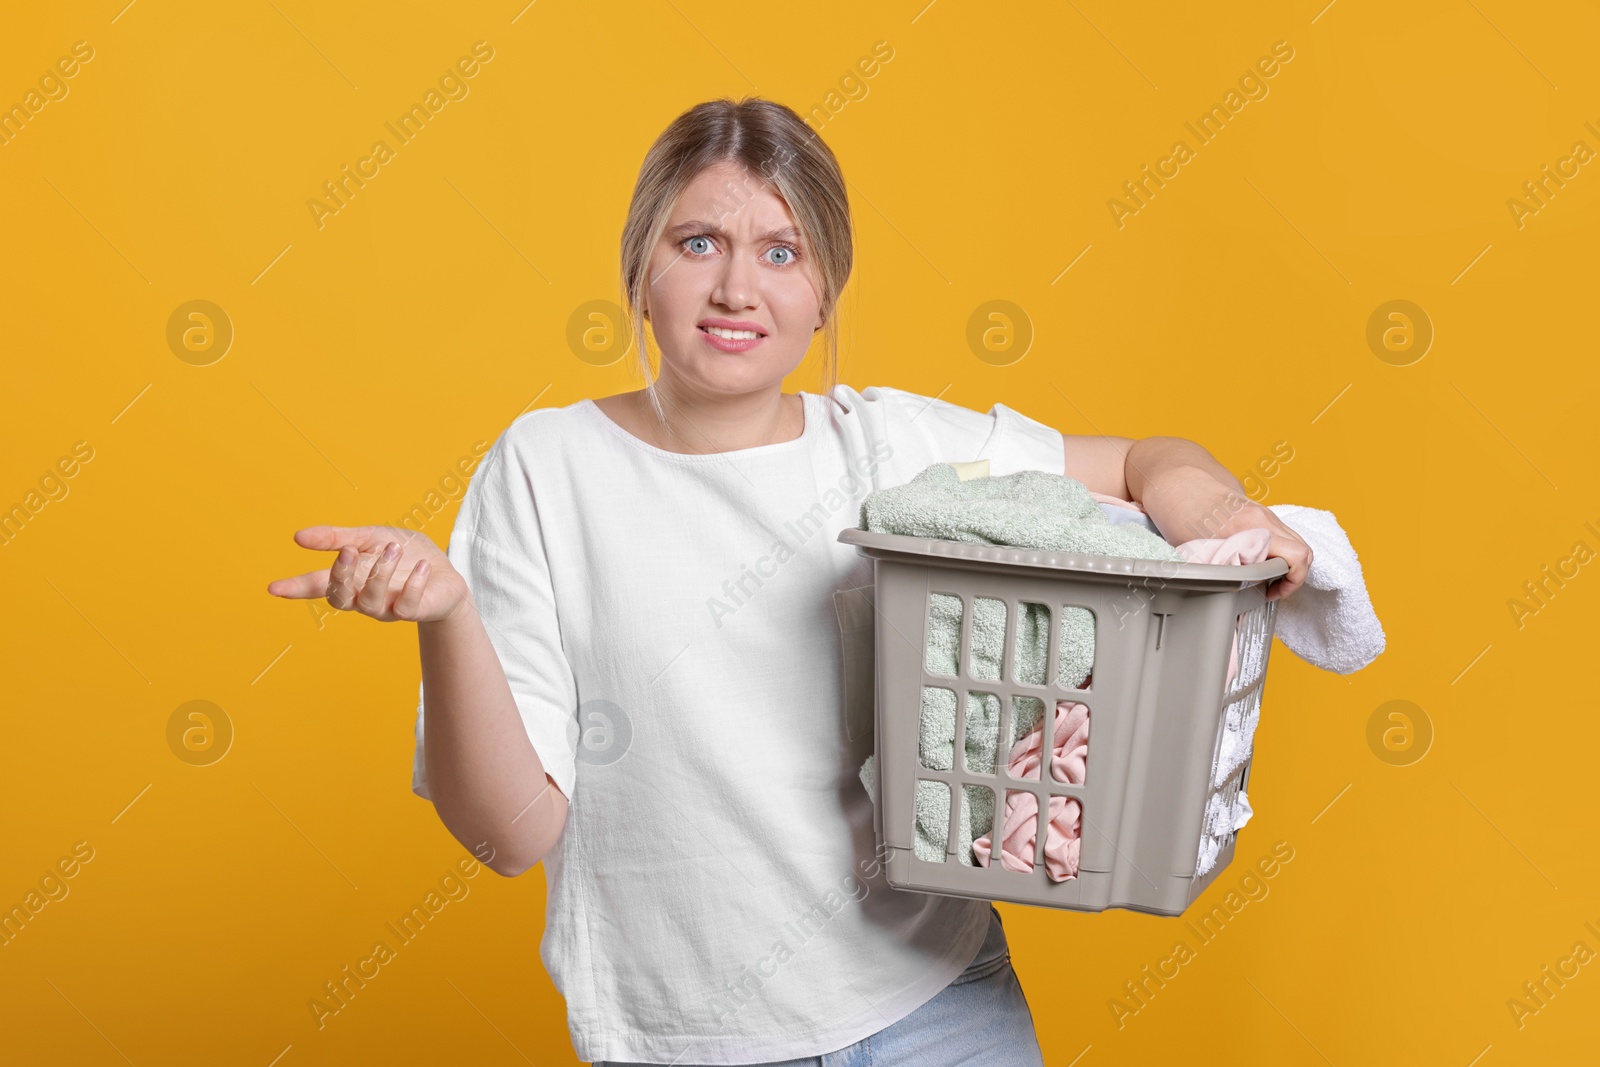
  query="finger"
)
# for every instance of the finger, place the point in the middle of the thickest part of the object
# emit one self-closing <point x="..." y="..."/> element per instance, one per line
<point x="1282" y="587"/>
<point x="374" y="596"/>
<point x="341" y="592"/>
<point x="310" y="585"/>
<point x="333" y="538"/>
<point x="409" y="603"/>
<point x="1298" y="556"/>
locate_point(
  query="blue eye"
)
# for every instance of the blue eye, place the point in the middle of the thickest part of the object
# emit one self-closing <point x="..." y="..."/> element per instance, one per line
<point x="705" y="246"/>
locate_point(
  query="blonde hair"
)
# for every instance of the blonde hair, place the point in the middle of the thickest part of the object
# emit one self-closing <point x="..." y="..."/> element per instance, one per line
<point x="773" y="143"/>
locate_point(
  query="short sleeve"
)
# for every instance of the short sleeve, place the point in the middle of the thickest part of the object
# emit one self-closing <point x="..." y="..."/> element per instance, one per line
<point x="498" y="548"/>
<point x="923" y="430"/>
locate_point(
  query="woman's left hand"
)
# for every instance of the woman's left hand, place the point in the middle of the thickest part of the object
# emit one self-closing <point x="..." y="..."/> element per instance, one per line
<point x="1188" y="503"/>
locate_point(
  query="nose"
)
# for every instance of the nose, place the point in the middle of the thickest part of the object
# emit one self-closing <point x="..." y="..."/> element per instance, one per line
<point x="736" y="284"/>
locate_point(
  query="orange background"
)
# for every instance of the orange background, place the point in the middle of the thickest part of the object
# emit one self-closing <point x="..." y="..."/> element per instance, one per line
<point x="371" y="353"/>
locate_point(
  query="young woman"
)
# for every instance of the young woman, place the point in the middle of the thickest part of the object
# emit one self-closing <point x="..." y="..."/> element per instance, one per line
<point x="632" y="669"/>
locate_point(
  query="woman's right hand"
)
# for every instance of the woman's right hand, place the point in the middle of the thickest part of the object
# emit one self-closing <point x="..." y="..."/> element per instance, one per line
<point x="388" y="572"/>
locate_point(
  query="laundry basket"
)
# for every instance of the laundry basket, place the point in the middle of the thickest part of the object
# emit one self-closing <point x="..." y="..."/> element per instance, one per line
<point x="1158" y="697"/>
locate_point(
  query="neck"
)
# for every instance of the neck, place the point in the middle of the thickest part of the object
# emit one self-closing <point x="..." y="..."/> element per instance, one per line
<point x="697" y="424"/>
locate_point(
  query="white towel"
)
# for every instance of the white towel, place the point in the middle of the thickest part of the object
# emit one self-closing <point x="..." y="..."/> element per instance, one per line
<point x="1328" y="621"/>
<point x="1238" y="735"/>
<point x="1219" y="823"/>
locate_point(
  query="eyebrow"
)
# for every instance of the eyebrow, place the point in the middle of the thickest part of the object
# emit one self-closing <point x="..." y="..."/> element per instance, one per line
<point x="698" y="226"/>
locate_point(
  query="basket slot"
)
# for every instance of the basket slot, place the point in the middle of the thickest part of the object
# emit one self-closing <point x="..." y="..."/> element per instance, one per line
<point x="952" y="840"/>
<point x="935" y="658"/>
<point x="1036" y="714"/>
<point x="978" y="724"/>
<point x="1236" y="732"/>
<point x="1081" y="617"/>
<point x="1057" y="714"/>
<point x="1255" y="642"/>
<point x="984" y="815"/>
<point x="1217" y="833"/>
<point x="1008" y="644"/>
<point x="936" y="747"/>
<point x="932" y="797"/>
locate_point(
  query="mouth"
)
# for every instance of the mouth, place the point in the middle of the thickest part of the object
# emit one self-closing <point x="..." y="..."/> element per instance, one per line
<point x="731" y="341"/>
<point x="732" y="335"/>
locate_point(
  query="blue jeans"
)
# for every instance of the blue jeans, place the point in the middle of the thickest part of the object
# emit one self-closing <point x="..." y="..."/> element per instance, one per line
<point x="981" y="1017"/>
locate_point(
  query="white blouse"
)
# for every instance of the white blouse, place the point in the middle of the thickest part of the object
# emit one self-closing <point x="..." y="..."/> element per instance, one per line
<point x="669" y="628"/>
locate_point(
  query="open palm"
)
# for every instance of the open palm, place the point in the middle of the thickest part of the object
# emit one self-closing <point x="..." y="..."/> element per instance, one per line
<point x="387" y="572"/>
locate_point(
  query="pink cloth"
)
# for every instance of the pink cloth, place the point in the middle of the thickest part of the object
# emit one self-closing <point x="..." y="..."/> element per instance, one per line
<point x="1246" y="546"/>
<point x="1070" y="751"/>
<point x="1238" y="549"/>
<point x="1019" y="832"/>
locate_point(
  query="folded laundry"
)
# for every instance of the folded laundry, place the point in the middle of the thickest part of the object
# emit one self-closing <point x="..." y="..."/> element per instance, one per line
<point x="1020" y="833"/>
<point x="936" y="741"/>
<point x="1034" y="509"/>
<point x="1329" y="622"/>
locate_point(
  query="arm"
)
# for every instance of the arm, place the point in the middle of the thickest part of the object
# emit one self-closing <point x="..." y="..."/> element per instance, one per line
<point x="480" y="764"/>
<point x="1154" y="460"/>
<point x="1100" y="463"/>
<point x="484" y="777"/>
<point x="1186" y="493"/>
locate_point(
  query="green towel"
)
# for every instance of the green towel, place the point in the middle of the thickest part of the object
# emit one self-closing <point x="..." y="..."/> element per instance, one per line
<point x="1028" y="509"/>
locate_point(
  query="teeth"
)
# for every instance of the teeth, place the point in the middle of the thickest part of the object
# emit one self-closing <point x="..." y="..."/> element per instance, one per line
<point x="732" y="335"/>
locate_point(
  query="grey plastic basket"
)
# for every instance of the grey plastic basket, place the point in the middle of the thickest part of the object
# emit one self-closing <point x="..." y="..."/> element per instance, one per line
<point x="1157" y="706"/>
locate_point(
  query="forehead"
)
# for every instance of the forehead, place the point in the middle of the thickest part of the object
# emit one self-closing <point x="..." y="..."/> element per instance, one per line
<point x="733" y="198"/>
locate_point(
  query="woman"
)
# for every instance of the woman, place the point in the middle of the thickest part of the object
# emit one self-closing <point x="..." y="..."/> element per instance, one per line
<point x="631" y="667"/>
